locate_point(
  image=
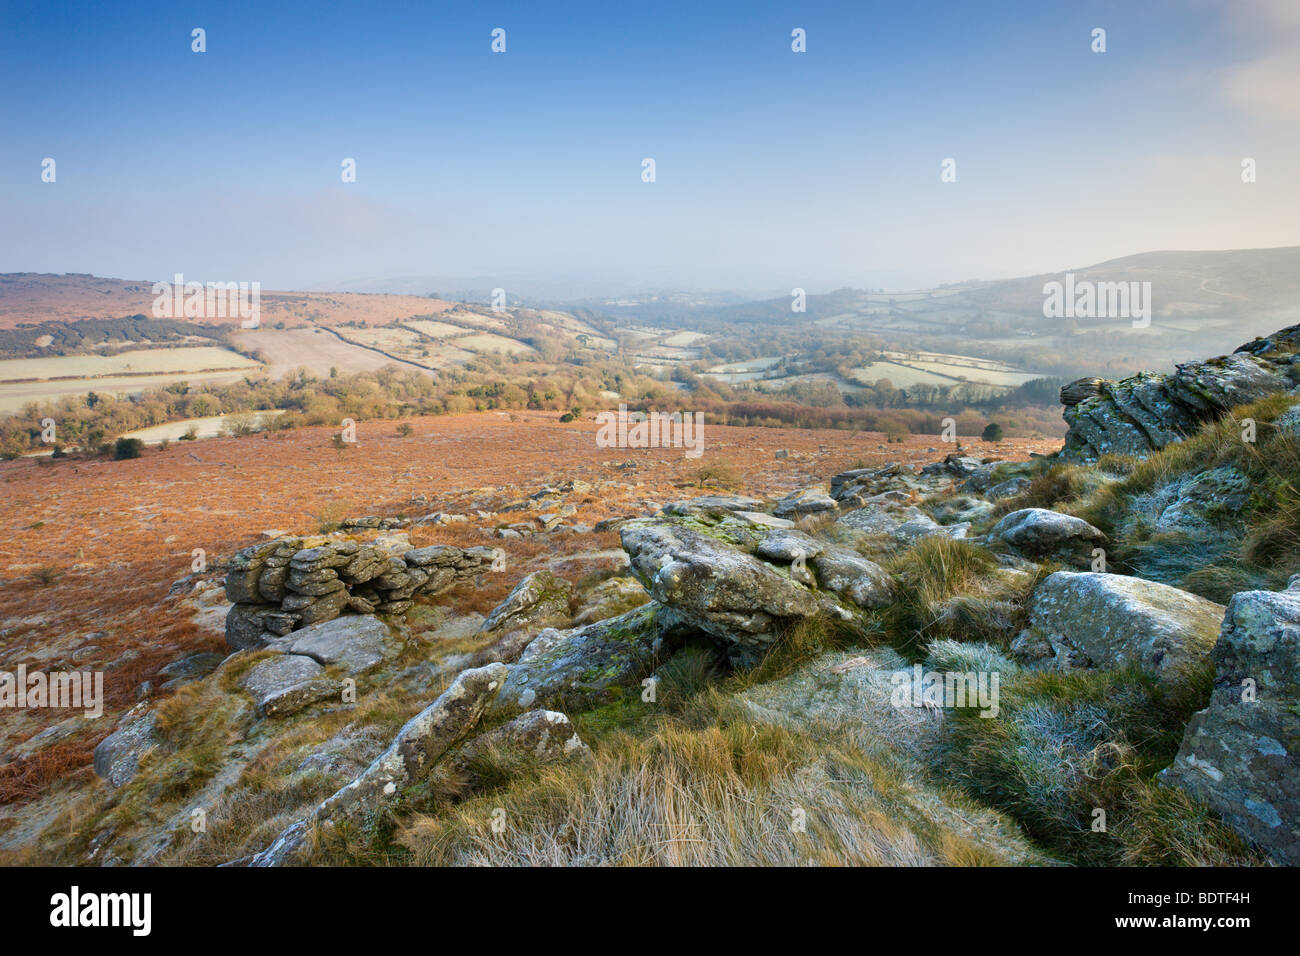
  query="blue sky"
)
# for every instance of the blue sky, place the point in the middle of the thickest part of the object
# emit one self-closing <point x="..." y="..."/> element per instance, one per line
<point x="774" y="169"/>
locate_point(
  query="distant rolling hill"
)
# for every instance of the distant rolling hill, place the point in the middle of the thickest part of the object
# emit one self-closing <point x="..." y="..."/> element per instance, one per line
<point x="1202" y="303"/>
<point x="29" y="298"/>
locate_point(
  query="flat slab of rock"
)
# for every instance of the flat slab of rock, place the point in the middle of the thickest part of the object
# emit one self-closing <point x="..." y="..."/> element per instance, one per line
<point x="881" y="517"/>
<point x="279" y="672"/>
<point x="289" y="700"/>
<point x="587" y="666"/>
<point x="117" y="757"/>
<point x="1107" y="621"/>
<point x="766" y="520"/>
<point x="287" y="683"/>
<point x="708" y="503"/>
<point x="801" y="504"/>
<point x="358" y="642"/>
<point x="1241" y="755"/>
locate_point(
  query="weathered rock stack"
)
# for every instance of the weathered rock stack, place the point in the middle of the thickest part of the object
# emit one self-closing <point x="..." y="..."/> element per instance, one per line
<point x="1147" y="411"/>
<point x="293" y="582"/>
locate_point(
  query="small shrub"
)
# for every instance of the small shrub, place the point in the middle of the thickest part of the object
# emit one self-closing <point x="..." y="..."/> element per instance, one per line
<point x="241" y="424"/>
<point x="46" y="574"/>
<point x="125" y="448"/>
<point x="719" y="474"/>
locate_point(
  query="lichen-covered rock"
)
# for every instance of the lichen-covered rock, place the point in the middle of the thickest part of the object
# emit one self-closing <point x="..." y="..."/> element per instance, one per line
<point x="956" y="466"/>
<point x="787" y="545"/>
<point x="117" y="757"/>
<point x="1080" y="390"/>
<point x="883" y="516"/>
<point x="356" y="642"/>
<point x="276" y="673"/>
<point x="190" y="668"/>
<point x="316" y="609"/>
<point x="290" y="582"/>
<point x="1149" y="411"/>
<point x="289" y="700"/>
<point x="710" y="504"/>
<point x="540" y="600"/>
<point x="714" y="584"/>
<point x="1108" y="621"/>
<point x="1194" y="499"/>
<point x="1241" y="755"/>
<point x="415" y="749"/>
<point x="1041" y="534"/>
<point x="539" y="735"/>
<point x="764" y="519"/>
<point x="801" y="504"/>
<point x="1288" y="423"/>
<point x="245" y="569"/>
<point x="610" y="598"/>
<point x="538" y="603"/>
<point x="1008" y="489"/>
<point x="314" y="582"/>
<point x="286" y="683"/>
<point x="923" y="526"/>
<point x="588" y="666"/>
<point x="246" y="627"/>
<point x="854" y="578"/>
<point x="852" y="488"/>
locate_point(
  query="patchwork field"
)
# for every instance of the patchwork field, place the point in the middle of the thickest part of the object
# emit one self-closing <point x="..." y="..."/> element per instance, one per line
<point x="436" y="330"/>
<point x="15" y="395"/>
<point x="487" y="342"/>
<point x="135" y="362"/>
<point x="126" y="373"/>
<point x="316" y="350"/>
<point x="209" y="426"/>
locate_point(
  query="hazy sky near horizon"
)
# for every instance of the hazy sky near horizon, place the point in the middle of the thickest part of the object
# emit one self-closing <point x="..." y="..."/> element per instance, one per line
<point x="774" y="169"/>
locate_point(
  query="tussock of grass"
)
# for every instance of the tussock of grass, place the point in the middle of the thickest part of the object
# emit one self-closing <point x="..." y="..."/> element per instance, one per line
<point x="961" y="657"/>
<point x="799" y="644"/>
<point x="952" y="588"/>
<point x="1052" y="487"/>
<point x="729" y="793"/>
<point x="1264" y="549"/>
<point x="1066" y="745"/>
